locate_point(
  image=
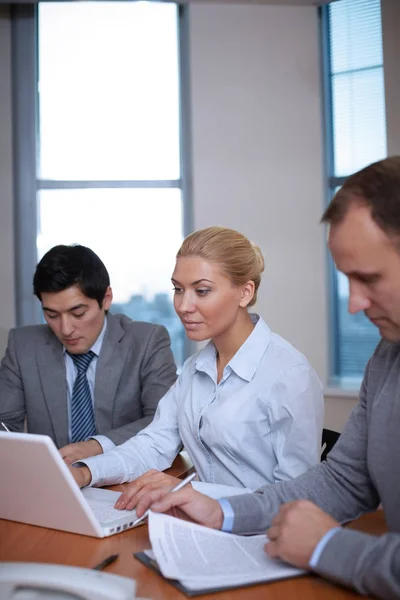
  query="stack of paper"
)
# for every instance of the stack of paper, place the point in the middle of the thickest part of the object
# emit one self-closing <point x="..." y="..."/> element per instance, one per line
<point x="204" y="559"/>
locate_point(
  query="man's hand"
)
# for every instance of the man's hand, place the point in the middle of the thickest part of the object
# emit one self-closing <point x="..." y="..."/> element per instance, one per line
<point x="80" y="450"/>
<point x="186" y="504"/>
<point x="295" y="532"/>
<point x="82" y="475"/>
<point x="152" y="480"/>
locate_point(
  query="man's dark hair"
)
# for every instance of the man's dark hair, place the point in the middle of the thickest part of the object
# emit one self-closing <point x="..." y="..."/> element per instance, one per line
<point x="65" y="266"/>
<point x="376" y="186"/>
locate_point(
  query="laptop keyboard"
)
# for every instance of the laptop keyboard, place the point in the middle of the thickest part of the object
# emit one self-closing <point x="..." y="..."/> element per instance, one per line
<point x="109" y="514"/>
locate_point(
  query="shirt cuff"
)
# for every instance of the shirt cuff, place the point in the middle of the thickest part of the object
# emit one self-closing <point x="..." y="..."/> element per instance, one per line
<point x="104" y="442"/>
<point x="80" y="463"/>
<point x="107" y="469"/>
<point x="229" y="515"/>
<point x="320" y="546"/>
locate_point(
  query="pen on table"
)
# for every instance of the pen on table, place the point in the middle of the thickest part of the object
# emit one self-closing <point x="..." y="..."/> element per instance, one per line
<point x="178" y="487"/>
<point x="107" y="561"/>
<point x="5" y="426"/>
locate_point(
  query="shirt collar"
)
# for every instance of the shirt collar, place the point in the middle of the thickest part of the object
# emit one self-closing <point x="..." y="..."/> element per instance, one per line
<point x="246" y="360"/>
<point x="99" y="342"/>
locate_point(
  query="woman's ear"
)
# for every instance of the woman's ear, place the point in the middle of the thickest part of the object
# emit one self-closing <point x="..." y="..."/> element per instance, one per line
<point x="248" y="290"/>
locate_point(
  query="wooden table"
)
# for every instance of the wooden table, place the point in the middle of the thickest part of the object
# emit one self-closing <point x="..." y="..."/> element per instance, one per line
<point x="19" y="542"/>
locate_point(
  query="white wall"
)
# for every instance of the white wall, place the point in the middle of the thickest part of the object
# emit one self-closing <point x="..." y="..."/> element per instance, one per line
<point x="7" y="291"/>
<point x="257" y="153"/>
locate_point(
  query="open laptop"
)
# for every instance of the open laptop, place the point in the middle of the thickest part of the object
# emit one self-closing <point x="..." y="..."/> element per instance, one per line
<point x="37" y="488"/>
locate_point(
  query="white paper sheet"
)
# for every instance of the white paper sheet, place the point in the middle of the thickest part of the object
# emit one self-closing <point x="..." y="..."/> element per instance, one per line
<point x="204" y="558"/>
<point x="217" y="490"/>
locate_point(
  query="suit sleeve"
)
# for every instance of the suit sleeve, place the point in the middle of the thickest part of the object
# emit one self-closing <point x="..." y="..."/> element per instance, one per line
<point x="341" y="486"/>
<point x="12" y="397"/>
<point x="158" y="374"/>
<point x="368" y="563"/>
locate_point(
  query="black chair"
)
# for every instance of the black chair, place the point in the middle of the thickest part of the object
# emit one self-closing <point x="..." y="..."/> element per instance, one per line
<point x="329" y="439"/>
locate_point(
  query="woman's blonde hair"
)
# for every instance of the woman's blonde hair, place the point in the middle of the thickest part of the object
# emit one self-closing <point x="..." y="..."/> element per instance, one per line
<point x="238" y="258"/>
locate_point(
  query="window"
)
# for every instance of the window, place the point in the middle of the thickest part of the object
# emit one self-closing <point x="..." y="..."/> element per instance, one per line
<point x="108" y="160"/>
<point x="357" y="126"/>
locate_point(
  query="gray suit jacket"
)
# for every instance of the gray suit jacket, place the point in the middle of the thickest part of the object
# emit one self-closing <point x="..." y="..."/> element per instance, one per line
<point x="362" y="470"/>
<point x="135" y="369"/>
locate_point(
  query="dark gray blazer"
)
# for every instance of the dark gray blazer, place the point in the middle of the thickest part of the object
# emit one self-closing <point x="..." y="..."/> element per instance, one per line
<point x="362" y="470"/>
<point x="135" y="369"/>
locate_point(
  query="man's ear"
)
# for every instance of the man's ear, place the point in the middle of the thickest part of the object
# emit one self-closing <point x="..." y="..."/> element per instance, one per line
<point x="248" y="290"/>
<point x="108" y="296"/>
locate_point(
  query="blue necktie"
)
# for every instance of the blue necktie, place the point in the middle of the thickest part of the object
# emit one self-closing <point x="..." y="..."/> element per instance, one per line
<point x="82" y="415"/>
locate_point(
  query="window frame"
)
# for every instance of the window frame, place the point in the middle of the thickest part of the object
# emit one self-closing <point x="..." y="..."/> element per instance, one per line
<point x="332" y="182"/>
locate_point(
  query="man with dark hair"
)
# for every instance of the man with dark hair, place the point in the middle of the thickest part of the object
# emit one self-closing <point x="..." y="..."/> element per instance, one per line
<point x="65" y="266"/>
<point x="304" y="516"/>
<point x="88" y="379"/>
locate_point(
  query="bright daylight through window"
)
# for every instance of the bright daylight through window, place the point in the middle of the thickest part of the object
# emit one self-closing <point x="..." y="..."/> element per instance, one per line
<point x="109" y="139"/>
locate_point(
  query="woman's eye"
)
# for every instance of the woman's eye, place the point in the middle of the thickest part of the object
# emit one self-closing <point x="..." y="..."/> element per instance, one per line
<point x="202" y="292"/>
<point x="177" y="290"/>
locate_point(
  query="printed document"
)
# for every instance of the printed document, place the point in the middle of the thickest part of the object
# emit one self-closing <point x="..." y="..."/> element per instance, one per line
<point x="202" y="558"/>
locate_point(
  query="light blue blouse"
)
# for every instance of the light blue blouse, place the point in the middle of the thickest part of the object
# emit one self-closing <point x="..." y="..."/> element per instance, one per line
<point x="260" y="424"/>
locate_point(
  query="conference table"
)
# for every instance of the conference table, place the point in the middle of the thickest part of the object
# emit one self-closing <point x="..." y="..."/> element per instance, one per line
<point x="20" y="542"/>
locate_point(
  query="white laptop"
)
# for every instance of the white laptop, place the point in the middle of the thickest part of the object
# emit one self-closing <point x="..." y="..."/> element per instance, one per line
<point x="37" y="488"/>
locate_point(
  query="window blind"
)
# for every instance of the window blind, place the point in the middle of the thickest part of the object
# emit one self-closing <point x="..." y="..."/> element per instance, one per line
<point x="357" y="84"/>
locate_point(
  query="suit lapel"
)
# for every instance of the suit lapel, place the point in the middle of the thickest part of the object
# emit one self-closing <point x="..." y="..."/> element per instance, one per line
<point x="51" y="367"/>
<point x="108" y="373"/>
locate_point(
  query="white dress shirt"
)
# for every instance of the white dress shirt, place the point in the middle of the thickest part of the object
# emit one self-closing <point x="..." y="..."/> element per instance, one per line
<point x="71" y="374"/>
<point x="260" y="424"/>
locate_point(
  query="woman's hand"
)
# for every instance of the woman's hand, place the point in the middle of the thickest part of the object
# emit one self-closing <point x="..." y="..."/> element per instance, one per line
<point x="152" y="480"/>
<point x="185" y="504"/>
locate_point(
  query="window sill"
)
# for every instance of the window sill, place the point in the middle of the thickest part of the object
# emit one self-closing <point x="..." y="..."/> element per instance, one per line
<point x="335" y="391"/>
<point x="343" y="387"/>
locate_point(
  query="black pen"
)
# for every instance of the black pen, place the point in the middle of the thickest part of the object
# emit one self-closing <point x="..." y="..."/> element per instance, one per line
<point x="107" y="561"/>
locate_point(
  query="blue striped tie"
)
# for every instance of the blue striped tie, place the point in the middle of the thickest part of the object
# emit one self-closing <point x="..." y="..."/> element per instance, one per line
<point x="82" y="415"/>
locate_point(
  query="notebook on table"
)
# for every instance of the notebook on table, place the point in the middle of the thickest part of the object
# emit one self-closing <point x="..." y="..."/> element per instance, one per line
<point x="38" y="489"/>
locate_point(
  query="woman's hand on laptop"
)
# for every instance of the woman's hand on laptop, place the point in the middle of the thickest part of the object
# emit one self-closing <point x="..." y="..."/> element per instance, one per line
<point x="152" y="480"/>
<point x="82" y="475"/>
<point x="185" y="504"/>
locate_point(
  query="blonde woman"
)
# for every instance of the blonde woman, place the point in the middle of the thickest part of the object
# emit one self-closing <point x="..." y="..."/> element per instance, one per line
<point x="248" y="407"/>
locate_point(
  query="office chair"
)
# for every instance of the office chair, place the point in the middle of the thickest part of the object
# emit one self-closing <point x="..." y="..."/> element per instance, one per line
<point x="329" y="439"/>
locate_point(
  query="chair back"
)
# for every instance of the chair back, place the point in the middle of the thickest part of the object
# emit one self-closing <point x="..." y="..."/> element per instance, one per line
<point x="329" y="439"/>
<point x="3" y="341"/>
